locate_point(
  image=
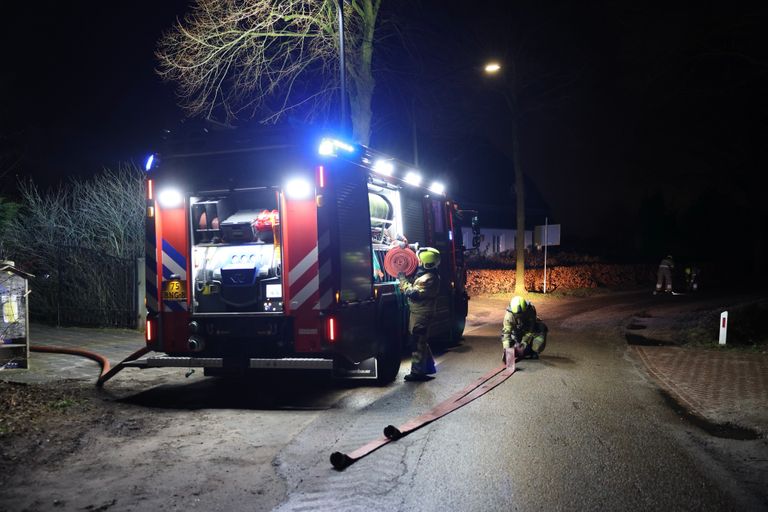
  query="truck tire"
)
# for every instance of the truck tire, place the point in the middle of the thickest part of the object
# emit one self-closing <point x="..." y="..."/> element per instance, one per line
<point x="390" y="352"/>
<point x="457" y="330"/>
<point x="388" y="361"/>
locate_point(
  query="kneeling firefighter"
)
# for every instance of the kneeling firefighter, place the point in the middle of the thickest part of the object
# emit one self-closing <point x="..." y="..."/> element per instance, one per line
<point x="421" y="292"/>
<point x="523" y="334"/>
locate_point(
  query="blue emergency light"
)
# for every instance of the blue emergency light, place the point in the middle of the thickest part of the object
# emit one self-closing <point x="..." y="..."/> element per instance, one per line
<point x="328" y="147"/>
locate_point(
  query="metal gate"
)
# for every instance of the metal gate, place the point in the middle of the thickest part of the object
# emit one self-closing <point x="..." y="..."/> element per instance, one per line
<point x="87" y="288"/>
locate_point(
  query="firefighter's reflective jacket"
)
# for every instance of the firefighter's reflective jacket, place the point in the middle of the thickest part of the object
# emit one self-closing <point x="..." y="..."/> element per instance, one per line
<point x="421" y="294"/>
<point x="516" y="325"/>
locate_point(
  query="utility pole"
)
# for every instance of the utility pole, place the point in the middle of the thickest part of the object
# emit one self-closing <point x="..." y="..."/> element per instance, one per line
<point x="414" y="134"/>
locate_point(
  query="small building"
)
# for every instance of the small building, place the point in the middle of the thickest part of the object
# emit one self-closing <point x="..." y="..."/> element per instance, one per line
<point x="495" y="240"/>
<point x="14" y="310"/>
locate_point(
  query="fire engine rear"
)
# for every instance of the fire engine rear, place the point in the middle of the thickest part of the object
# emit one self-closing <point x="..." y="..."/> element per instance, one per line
<point x="270" y="256"/>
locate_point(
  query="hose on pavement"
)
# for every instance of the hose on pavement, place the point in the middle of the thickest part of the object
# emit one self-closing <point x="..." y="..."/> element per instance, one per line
<point x="107" y="371"/>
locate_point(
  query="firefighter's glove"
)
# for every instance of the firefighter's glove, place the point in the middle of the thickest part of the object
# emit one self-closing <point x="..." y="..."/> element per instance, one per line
<point x="403" y="282"/>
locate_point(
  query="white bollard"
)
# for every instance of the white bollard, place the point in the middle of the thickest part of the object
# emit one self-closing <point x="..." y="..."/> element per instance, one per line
<point x="723" y="326"/>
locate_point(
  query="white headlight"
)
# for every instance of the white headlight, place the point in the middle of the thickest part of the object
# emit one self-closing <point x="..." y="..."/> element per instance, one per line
<point x="383" y="167"/>
<point x="413" y="178"/>
<point x="437" y="188"/>
<point x="326" y="147"/>
<point x="170" y="198"/>
<point x="298" y="188"/>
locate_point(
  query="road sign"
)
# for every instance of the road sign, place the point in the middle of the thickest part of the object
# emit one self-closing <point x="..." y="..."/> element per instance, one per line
<point x="548" y="234"/>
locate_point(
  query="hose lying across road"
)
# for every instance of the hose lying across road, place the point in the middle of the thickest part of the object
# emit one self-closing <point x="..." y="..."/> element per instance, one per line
<point x="103" y="361"/>
<point x="107" y="371"/>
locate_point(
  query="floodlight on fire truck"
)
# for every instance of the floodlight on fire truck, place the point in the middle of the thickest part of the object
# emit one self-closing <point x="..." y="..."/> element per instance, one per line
<point x="170" y="198"/>
<point x="413" y="178"/>
<point x="298" y="188"/>
<point x="383" y="167"/>
<point x="437" y="188"/>
<point x="328" y="147"/>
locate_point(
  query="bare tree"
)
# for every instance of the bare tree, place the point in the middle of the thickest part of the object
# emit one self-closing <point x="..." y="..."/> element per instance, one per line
<point x="104" y="213"/>
<point x="68" y="237"/>
<point x="261" y="58"/>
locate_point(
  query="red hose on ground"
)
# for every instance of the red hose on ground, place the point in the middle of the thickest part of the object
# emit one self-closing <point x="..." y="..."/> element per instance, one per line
<point x="105" y="376"/>
<point x="103" y="361"/>
<point x="107" y="371"/>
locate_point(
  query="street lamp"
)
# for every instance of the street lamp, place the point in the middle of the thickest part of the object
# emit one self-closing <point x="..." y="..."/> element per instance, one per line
<point x="509" y="93"/>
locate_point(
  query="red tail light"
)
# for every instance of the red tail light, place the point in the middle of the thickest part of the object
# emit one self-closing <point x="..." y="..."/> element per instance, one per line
<point x="150" y="191"/>
<point x="332" y="329"/>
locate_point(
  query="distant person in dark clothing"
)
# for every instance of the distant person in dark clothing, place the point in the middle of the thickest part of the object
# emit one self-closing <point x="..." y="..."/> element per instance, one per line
<point x="692" y="273"/>
<point x="664" y="275"/>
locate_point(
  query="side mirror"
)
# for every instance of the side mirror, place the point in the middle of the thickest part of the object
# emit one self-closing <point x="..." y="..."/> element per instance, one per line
<point x="475" y="225"/>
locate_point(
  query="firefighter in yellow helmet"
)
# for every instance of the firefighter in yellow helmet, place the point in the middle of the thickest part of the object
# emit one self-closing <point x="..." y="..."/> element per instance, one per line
<point x="421" y="291"/>
<point x="522" y="332"/>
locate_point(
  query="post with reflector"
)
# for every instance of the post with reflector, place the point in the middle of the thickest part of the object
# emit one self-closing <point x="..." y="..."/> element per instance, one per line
<point x="723" y="326"/>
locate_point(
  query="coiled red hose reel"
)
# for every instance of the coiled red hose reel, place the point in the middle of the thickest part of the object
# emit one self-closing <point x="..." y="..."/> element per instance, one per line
<point x="400" y="260"/>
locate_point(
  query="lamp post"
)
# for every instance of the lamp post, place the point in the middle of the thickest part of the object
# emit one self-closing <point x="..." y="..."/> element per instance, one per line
<point x="494" y="68"/>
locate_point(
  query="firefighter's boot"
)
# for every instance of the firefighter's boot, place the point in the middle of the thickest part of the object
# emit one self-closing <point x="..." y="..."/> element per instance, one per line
<point x="422" y="362"/>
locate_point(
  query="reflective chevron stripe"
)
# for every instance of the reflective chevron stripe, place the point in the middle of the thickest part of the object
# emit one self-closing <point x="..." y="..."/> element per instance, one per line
<point x="173" y="262"/>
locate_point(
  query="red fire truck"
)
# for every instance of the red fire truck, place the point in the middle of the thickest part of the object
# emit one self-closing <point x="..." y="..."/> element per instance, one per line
<point x="270" y="255"/>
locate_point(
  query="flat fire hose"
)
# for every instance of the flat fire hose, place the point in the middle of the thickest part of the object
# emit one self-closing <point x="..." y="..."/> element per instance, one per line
<point x="111" y="373"/>
<point x="476" y="389"/>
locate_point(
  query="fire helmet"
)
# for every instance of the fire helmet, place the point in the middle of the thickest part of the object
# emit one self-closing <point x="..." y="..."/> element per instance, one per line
<point x="518" y="305"/>
<point x="429" y="257"/>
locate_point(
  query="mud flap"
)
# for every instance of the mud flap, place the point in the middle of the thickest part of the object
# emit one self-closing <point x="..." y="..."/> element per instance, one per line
<point x="366" y="369"/>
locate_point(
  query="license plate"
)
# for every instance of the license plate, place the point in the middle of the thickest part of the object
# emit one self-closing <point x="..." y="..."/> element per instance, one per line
<point x="174" y="290"/>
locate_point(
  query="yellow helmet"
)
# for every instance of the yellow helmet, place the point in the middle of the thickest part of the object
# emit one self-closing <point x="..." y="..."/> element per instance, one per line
<point x="429" y="257"/>
<point x="518" y="304"/>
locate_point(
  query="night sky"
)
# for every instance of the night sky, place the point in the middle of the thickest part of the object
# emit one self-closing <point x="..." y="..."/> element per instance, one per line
<point x="638" y="126"/>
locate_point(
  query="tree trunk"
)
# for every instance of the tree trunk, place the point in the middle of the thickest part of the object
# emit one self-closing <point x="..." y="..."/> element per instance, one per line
<point x="360" y="96"/>
<point x="360" y="75"/>
<point x="520" y="213"/>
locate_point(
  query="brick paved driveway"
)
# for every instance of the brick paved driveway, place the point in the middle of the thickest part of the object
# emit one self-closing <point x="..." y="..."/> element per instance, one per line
<point x="720" y="386"/>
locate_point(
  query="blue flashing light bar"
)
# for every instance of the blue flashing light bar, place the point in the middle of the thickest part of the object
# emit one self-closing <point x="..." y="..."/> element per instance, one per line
<point x="150" y="161"/>
<point x="328" y="147"/>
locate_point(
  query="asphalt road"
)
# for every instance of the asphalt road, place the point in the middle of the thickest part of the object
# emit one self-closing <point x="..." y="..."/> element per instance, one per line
<point x="582" y="428"/>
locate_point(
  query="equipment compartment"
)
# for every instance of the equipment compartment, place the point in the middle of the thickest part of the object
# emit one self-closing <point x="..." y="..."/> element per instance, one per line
<point x="236" y="268"/>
